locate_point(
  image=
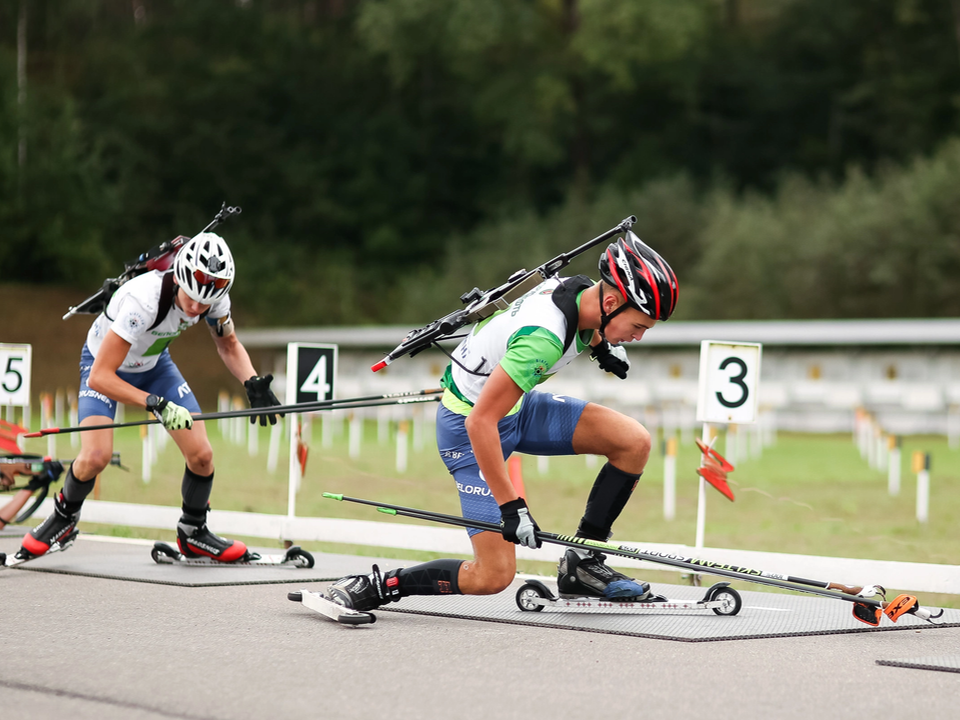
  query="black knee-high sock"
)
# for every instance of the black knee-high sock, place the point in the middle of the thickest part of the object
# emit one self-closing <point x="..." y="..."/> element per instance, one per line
<point x="75" y="492"/>
<point x="609" y="495"/>
<point x="437" y="577"/>
<point x="195" y="490"/>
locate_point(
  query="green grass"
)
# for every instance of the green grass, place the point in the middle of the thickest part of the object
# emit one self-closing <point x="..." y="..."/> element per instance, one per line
<point x="808" y="494"/>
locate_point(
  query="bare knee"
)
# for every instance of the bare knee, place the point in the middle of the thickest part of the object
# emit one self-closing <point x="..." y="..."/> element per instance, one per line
<point x="90" y="463"/>
<point x="633" y="447"/>
<point x="200" y="461"/>
<point x="489" y="581"/>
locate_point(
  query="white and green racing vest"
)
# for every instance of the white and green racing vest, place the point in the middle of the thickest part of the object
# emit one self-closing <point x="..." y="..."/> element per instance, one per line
<point x="527" y="339"/>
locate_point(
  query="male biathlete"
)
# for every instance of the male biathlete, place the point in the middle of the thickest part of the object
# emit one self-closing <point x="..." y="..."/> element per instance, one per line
<point x="490" y="410"/>
<point x="125" y="359"/>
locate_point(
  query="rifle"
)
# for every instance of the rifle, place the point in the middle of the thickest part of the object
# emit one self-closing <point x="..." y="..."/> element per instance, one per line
<point x="481" y="305"/>
<point x="159" y="257"/>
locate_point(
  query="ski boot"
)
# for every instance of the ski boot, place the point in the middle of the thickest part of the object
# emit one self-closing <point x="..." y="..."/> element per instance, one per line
<point x="365" y="592"/>
<point x="199" y="541"/>
<point x="60" y="528"/>
<point x="590" y="576"/>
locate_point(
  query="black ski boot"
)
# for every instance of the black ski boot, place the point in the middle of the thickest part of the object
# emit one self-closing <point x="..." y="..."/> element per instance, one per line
<point x="60" y="527"/>
<point x="198" y="541"/>
<point x="592" y="577"/>
<point x="365" y="592"/>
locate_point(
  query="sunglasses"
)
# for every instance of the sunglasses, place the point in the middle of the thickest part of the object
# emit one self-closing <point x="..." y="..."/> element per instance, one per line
<point x="204" y="279"/>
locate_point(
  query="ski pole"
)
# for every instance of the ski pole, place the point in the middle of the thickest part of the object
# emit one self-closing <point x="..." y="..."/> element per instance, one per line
<point x="417" y="396"/>
<point x="785" y="582"/>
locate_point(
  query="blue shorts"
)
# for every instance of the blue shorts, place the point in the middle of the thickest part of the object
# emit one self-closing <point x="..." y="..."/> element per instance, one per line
<point x="164" y="380"/>
<point x="543" y="426"/>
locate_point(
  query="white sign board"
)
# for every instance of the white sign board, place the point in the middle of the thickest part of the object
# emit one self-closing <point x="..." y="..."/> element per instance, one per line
<point x="311" y="372"/>
<point x="15" y="362"/>
<point x="729" y="382"/>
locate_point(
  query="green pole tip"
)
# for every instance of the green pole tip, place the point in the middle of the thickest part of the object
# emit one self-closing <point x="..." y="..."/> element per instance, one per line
<point x="333" y="496"/>
<point x="387" y="511"/>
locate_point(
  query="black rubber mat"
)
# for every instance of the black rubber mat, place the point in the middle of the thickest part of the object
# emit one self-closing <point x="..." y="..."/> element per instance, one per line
<point x="946" y="663"/>
<point x="763" y="615"/>
<point x="132" y="562"/>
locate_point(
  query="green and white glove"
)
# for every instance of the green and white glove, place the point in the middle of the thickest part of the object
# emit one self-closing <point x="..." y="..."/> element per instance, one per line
<point x="173" y="416"/>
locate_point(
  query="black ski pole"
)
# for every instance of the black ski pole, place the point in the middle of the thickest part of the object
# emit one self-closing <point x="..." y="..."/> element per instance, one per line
<point x="785" y="582"/>
<point x="417" y="396"/>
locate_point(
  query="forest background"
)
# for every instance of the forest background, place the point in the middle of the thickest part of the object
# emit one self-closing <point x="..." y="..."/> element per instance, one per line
<point x="790" y="158"/>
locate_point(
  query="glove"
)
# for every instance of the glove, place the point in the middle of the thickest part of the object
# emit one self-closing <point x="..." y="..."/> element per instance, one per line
<point x="518" y="525"/>
<point x="52" y="470"/>
<point x="612" y="358"/>
<point x="261" y="396"/>
<point x="173" y="416"/>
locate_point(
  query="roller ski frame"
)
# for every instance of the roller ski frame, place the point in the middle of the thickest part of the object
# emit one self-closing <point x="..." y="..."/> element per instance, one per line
<point x="534" y="596"/>
<point x="165" y="554"/>
<point x="320" y="603"/>
<point x="9" y="561"/>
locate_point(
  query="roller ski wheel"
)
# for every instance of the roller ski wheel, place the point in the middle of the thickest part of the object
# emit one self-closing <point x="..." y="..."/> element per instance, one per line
<point x="329" y="609"/>
<point x="529" y="593"/>
<point x="165" y="554"/>
<point x="723" y="599"/>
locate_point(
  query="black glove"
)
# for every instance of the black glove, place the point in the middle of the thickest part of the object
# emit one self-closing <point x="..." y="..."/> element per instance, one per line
<point x="52" y="470"/>
<point x="518" y="525"/>
<point x="612" y="358"/>
<point x="261" y="396"/>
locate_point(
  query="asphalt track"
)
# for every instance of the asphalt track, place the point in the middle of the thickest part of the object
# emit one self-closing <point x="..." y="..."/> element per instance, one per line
<point x="89" y="647"/>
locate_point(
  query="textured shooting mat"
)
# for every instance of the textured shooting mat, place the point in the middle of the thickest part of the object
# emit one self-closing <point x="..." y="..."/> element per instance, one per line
<point x="947" y="663"/>
<point x="131" y="561"/>
<point x="763" y="615"/>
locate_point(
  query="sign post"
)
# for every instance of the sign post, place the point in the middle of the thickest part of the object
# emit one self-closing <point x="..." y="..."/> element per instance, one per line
<point x="729" y="383"/>
<point x="311" y="374"/>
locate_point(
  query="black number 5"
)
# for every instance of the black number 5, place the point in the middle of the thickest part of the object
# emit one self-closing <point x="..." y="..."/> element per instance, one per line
<point x="11" y="371"/>
<point x="736" y="380"/>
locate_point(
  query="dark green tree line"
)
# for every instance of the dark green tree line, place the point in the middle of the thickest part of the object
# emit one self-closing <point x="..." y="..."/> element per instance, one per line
<point x="374" y="143"/>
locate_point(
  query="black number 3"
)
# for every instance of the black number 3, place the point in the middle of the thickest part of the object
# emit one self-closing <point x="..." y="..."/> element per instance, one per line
<point x="736" y="380"/>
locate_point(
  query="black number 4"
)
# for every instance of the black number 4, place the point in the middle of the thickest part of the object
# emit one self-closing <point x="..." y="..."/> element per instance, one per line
<point x="736" y="380"/>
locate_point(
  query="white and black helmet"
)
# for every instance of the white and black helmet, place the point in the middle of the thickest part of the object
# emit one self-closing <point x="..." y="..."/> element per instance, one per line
<point x="204" y="268"/>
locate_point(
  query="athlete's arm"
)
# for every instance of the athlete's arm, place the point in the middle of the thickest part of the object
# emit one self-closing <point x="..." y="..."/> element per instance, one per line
<point x="103" y="375"/>
<point x="500" y="393"/>
<point x="234" y="355"/>
<point x="9" y="511"/>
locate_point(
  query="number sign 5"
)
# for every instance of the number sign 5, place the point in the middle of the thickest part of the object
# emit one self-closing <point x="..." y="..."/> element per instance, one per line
<point x="15" y="363"/>
<point x="729" y="382"/>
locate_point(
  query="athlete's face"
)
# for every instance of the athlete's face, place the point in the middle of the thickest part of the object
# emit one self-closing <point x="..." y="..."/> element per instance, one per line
<point x="190" y="307"/>
<point x="628" y="326"/>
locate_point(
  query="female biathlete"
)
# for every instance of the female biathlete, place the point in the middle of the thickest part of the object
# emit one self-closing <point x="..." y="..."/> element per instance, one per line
<point x="126" y="359"/>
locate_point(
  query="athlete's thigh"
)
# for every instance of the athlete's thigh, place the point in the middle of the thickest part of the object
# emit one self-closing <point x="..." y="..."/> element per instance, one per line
<point x="193" y="443"/>
<point x="602" y="431"/>
<point x="547" y="424"/>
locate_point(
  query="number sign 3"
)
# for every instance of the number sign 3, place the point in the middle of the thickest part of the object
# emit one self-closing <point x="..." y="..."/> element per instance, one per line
<point x="729" y="382"/>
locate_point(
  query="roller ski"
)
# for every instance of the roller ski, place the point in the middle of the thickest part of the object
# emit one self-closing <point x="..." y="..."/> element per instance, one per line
<point x="534" y="596"/>
<point x="165" y="554"/>
<point x="55" y="534"/>
<point x="22" y="556"/>
<point x="318" y="602"/>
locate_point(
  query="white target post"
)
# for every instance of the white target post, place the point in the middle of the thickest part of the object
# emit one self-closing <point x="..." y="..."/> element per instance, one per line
<point x="311" y="375"/>
<point x="727" y="394"/>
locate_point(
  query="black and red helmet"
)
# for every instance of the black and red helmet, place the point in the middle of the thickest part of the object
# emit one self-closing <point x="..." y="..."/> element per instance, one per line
<point x="641" y="275"/>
